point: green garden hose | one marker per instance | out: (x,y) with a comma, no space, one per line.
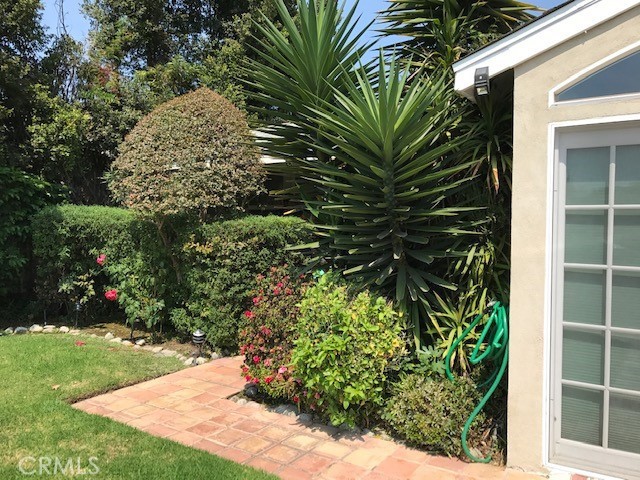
(495,336)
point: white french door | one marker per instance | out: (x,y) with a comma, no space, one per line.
(595,392)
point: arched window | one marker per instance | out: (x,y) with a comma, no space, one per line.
(619,78)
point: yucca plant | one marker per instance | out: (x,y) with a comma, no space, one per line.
(443,31)
(298,68)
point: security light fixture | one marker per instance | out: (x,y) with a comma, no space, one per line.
(482,82)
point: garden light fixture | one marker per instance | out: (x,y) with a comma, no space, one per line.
(482,82)
(78,309)
(198,339)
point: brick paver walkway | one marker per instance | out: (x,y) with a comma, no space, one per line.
(191,407)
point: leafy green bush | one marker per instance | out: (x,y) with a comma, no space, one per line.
(345,346)
(21,195)
(268,332)
(431,412)
(67,241)
(222,261)
(191,154)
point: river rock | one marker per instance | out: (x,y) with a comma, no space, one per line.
(20,331)
(64,329)
(109,336)
(36,328)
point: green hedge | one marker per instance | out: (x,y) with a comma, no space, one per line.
(218,264)
(66,241)
(223,260)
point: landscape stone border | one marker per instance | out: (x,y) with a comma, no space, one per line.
(110,337)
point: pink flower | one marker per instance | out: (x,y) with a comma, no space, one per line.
(267,362)
(280,285)
(276,291)
(317,395)
(101,259)
(265,331)
(111,295)
(249,314)
(282,369)
(256,359)
(256,300)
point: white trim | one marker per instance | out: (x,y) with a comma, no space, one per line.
(554,130)
(538,37)
(593,68)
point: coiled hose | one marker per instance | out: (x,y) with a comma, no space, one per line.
(495,335)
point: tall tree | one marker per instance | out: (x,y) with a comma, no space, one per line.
(22,38)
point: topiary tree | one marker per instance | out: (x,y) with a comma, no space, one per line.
(190,155)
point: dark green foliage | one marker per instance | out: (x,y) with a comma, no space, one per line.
(21,195)
(223,260)
(430,413)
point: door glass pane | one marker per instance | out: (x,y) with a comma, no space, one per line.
(582,415)
(625,361)
(583,356)
(588,176)
(625,304)
(628,175)
(584,297)
(586,237)
(624,423)
(626,238)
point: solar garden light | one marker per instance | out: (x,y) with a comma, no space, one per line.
(198,339)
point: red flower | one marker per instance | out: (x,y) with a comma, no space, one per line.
(256,359)
(111,295)
(248,378)
(245,369)
(276,291)
(268,380)
(249,314)
(101,259)
(296,399)
(280,285)
(80,344)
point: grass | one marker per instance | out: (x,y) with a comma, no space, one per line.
(41,374)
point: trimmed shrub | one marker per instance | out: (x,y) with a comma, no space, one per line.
(268,332)
(67,241)
(222,261)
(191,154)
(430,413)
(344,347)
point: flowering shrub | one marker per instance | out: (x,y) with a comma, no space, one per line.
(266,338)
(344,347)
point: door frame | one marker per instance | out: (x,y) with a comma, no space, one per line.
(555,132)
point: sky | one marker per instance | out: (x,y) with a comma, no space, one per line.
(78,25)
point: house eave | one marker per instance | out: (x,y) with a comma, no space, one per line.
(536,38)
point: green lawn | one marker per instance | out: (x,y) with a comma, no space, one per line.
(41,374)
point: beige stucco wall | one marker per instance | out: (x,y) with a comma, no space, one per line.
(533,81)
